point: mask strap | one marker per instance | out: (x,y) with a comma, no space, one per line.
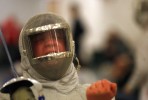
(76,62)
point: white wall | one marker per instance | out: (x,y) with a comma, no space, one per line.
(98,16)
(23,9)
(120,14)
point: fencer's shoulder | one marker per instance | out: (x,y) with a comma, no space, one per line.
(11,85)
(4,91)
(15,83)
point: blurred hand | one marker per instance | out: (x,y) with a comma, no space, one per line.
(101,90)
(127,90)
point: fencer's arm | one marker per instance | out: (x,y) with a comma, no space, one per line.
(101,90)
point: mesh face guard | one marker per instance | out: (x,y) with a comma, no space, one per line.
(50,47)
(46,43)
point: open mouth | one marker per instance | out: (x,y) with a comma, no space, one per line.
(51,51)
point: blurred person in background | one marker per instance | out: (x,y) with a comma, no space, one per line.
(78,29)
(86,75)
(119,71)
(113,46)
(47,52)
